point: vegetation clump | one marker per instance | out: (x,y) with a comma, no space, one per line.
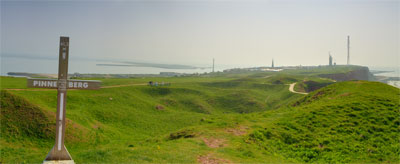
(182,134)
(311,85)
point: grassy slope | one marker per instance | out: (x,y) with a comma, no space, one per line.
(353,121)
(114,118)
(309,85)
(128,128)
(14,130)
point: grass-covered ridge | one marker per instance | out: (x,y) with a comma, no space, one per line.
(130,117)
(238,117)
(20,119)
(354,121)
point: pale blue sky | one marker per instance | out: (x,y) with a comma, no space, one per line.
(242,33)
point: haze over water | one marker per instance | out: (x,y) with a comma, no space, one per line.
(50,66)
(235,33)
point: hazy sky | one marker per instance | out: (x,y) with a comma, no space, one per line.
(242,33)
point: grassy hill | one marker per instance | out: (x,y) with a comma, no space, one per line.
(354,121)
(112,119)
(246,117)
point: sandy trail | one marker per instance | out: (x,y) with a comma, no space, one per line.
(211,159)
(125,85)
(291,89)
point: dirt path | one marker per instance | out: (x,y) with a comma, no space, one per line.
(214,142)
(217,143)
(238,131)
(125,85)
(291,89)
(211,159)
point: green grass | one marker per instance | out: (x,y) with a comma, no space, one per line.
(353,121)
(123,124)
(114,118)
(12,82)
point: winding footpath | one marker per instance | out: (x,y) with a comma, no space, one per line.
(291,89)
(125,85)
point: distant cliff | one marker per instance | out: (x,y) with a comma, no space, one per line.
(359,73)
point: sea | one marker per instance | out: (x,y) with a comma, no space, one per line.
(391,72)
(50,66)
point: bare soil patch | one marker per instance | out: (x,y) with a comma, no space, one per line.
(345,94)
(214,142)
(239,131)
(159,107)
(211,159)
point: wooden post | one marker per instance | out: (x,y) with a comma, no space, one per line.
(59,153)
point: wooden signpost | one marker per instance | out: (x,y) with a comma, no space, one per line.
(59,153)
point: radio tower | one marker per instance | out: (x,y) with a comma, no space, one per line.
(272,65)
(348,50)
(213,65)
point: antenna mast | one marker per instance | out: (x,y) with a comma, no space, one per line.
(348,50)
(272,65)
(213,65)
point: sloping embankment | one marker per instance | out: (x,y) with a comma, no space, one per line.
(345,122)
(361,73)
(19,118)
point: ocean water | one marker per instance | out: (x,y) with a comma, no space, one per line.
(50,66)
(394,71)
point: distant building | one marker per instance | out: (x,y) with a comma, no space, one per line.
(76,74)
(330,59)
(272,66)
